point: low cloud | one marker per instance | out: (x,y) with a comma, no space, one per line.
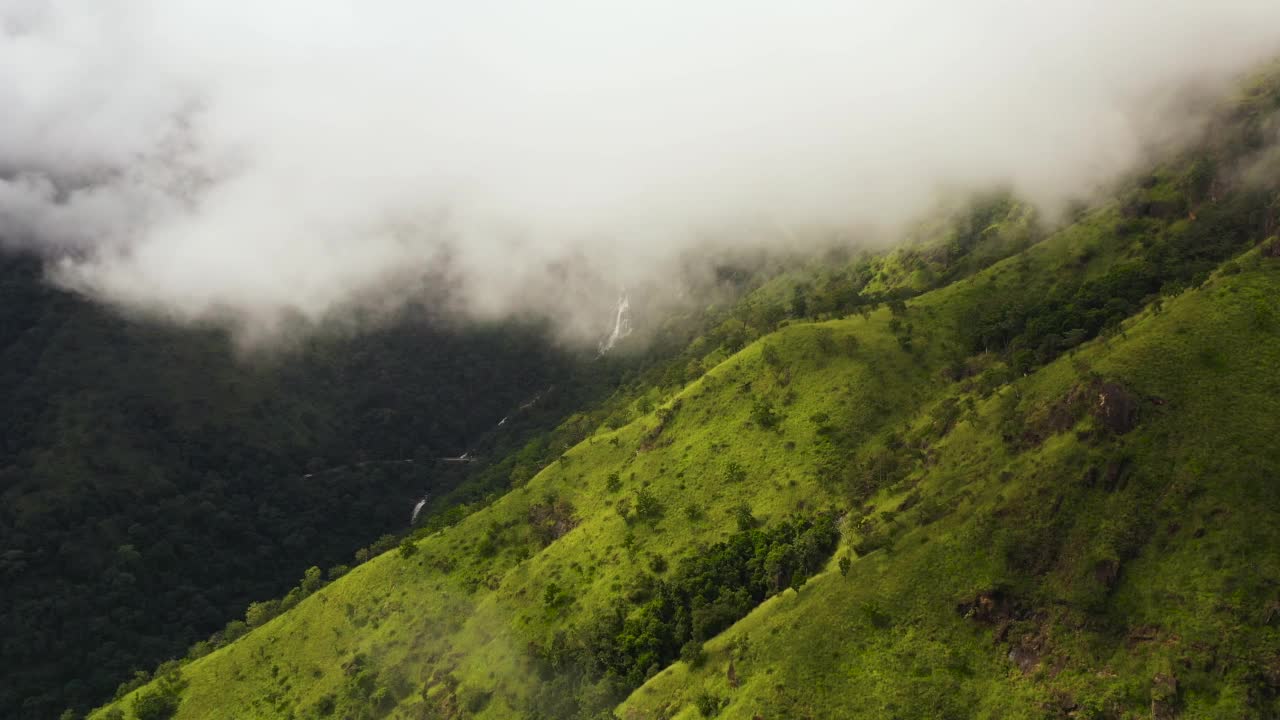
(262,162)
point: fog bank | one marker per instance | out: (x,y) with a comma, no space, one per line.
(254,162)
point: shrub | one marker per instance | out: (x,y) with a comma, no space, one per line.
(312,580)
(473,699)
(764,414)
(709,705)
(382,699)
(408,548)
(734,473)
(155,705)
(233,630)
(199,649)
(692,654)
(260,613)
(647,505)
(140,678)
(553,595)
(658,564)
(326,705)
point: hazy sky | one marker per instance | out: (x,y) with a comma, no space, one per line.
(203,158)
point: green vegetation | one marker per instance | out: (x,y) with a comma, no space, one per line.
(154,484)
(663,620)
(1001,471)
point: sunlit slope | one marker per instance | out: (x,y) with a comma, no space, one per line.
(1040,512)
(990,517)
(472,598)
(456,618)
(1051,560)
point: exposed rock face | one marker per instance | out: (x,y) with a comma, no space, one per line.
(1107,572)
(989,608)
(1164,697)
(1024,657)
(551,520)
(1114,407)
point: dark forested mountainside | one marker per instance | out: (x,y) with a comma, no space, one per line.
(152,483)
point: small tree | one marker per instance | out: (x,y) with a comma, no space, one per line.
(312,580)
(140,678)
(734,473)
(260,613)
(799,302)
(658,564)
(291,600)
(234,630)
(161,702)
(199,649)
(692,654)
(647,505)
(764,415)
(710,705)
(155,705)
(408,548)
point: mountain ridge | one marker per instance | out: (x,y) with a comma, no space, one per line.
(1052,476)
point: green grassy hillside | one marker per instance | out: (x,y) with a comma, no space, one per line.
(1041,486)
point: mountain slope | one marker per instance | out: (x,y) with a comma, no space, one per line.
(1068,550)
(152,483)
(1075,571)
(1043,489)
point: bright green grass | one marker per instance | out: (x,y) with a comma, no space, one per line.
(886,641)
(1192,519)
